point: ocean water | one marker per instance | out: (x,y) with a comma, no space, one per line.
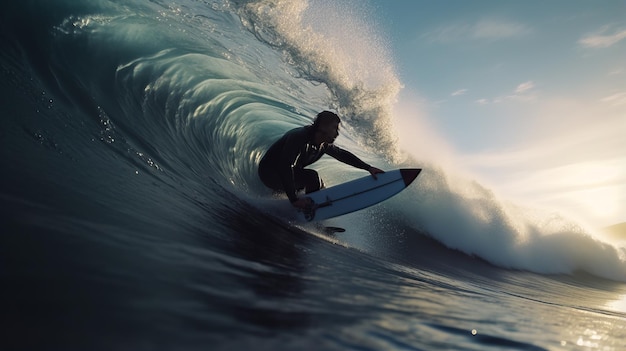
(132,217)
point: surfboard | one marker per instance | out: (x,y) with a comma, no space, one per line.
(357,194)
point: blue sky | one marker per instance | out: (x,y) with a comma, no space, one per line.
(529,97)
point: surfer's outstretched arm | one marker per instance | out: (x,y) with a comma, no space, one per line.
(347,157)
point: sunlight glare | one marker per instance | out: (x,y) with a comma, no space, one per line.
(618,305)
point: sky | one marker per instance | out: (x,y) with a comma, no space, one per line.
(529,97)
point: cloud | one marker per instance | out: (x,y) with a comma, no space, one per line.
(617,99)
(524,87)
(576,165)
(498,29)
(523,92)
(487,29)
(459,92)
(602,40)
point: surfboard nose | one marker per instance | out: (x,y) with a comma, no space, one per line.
(409,175)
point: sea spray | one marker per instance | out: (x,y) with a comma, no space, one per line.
(466,216)
(319,43)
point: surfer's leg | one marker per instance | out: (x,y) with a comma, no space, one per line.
(308,179)
(270,179)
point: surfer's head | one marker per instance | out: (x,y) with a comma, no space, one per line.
(326,126)
(325,117)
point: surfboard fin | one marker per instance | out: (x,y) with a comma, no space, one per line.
(333,230)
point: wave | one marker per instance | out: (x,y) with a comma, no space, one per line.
(320,41)
(468,217)
(193,93)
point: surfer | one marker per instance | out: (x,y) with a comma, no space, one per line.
(282,166)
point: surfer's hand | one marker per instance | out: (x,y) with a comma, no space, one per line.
(374,171)
(301,203)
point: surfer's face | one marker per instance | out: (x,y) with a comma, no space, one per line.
(328,132)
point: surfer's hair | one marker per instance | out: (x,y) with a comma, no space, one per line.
(325,117)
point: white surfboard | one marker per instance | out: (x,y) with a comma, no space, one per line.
(358,194)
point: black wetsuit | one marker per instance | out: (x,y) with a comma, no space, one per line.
(282,167)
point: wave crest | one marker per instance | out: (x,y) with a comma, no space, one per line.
(327,43)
